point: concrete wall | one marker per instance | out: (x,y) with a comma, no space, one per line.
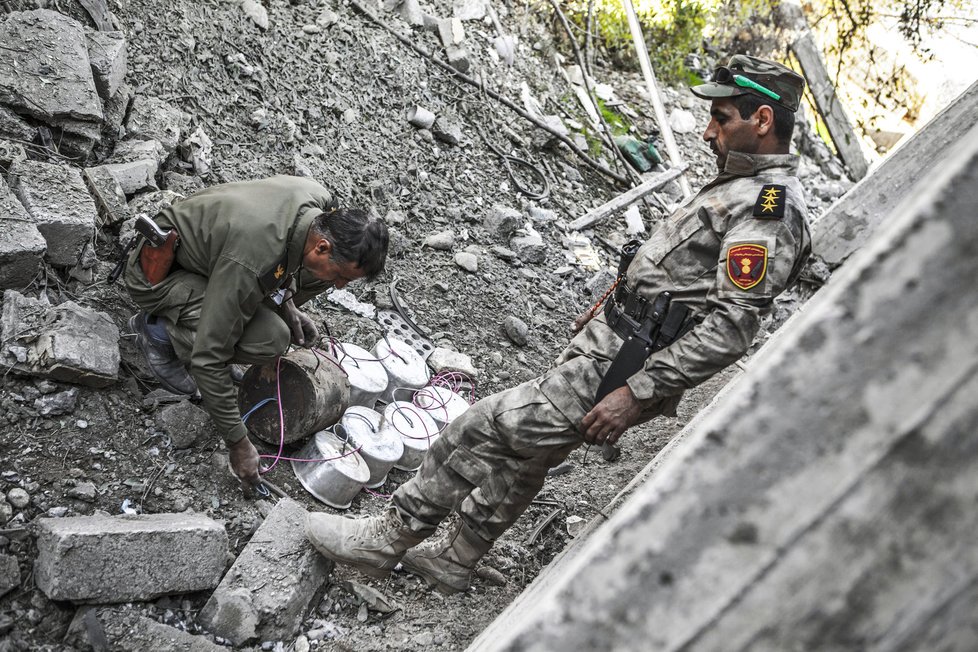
(828,500)
(851,221)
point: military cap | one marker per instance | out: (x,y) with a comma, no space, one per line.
(745,74)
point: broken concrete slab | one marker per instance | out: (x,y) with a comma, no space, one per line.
(10,153)
(134,164)
(56,198)
(22,246)
(126,629)
(183,184)
(9,574)
(530,247)
(48,74)
(151,118)
(67,342)
(270,587)
(442,359)
(185,423)
(107,56)
(108,559)
(115,109)
(15,127)
(108,194)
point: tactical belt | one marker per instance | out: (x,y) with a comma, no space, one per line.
(646,327)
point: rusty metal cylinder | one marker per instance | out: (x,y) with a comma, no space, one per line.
(314,390)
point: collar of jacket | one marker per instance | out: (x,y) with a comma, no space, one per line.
(297,237)
(740,164)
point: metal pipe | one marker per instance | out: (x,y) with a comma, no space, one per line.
(660,110)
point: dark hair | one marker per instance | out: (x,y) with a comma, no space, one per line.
(356,238)
(784,119)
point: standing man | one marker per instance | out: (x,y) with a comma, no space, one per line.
(247,255)
(689,305)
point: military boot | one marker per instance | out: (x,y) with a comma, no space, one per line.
(373,545)
(448,565)
(155,344)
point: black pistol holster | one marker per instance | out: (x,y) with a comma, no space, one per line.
(645,326)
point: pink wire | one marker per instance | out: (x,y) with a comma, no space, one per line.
(379,495)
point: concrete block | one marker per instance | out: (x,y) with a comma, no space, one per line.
(411,13)
(57,200)
(130,631)
(10,153)
(502,221)
(825,499)
(14,126)
(134,164)
(49,46)
(108,195)
(126,558)
(115,109)
(269,589)
(530,248)
(185,423)
(107,56)
(66,342)
(22,246)
(9,574)
(182,184)
(153,119)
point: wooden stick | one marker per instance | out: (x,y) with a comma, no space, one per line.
(623,200)
(496,96)
(660,109)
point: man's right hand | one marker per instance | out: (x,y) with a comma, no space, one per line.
(244,462)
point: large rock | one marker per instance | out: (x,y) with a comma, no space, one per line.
(267,592)
(9,573)
(21,245)
(109,196)
(150,118)
(57,200)
(14,126)
(502,221)
(65,342)
(134,164)
(46,71)
(107,56)
(108,559)
(185,423)
(529,247)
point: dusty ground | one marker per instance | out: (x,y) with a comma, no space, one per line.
(334,101)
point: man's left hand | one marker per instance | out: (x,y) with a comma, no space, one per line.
(304,331)
(616,412)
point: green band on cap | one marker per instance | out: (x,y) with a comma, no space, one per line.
(740,80)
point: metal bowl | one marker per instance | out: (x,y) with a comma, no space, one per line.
(367,376)
(416,429)
(404,366)
(380,448)
(442,404)
(335,473)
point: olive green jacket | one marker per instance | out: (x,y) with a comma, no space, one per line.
(246,238)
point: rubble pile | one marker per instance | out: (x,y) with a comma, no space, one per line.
(98,126)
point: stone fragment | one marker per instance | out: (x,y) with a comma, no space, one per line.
(151,203)
(541,215)
(633,221)
(256,12)
(516,330)
(458,58)
(467,261)
(131,631)
(447,130)
(107,559)
(600,281)
(151,118)
(53,405)
(268,590)
(47,72)
(108,194)
(10,153)
(451,32)
(6,511)
(442,241)
(442,359)
(469,9)
(530,248)
(18,498)
(9,574)
(182,184)
(57,200)
(682,121)
(22,246)
(502,221)
(83,491)
(107,56)
(411,13)
(134,164)
(14,126)
(185,423)
(503,252)
(197,149)
(67,342)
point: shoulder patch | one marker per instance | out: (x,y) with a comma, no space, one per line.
(276,276)
(770,202)
(746,265)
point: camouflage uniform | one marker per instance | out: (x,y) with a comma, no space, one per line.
(240,243)
(490,462)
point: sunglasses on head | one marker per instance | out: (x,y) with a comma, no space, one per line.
(723,75)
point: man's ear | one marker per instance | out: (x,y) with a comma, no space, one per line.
(765,120)
(324,246)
